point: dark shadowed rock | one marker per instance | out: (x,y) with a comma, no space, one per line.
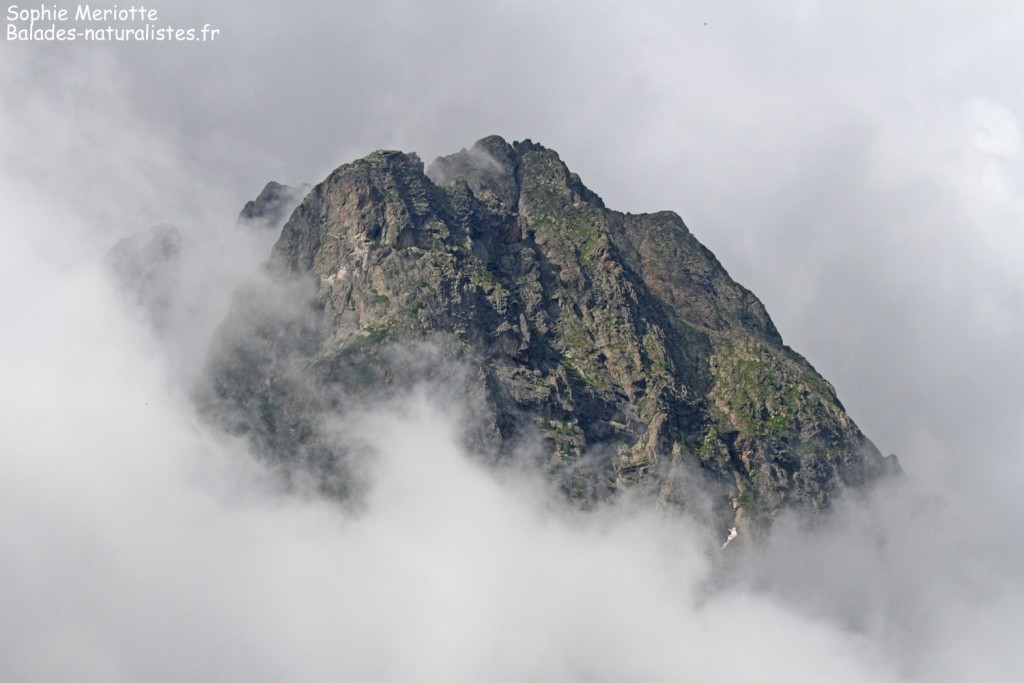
(272,206)
(617,340)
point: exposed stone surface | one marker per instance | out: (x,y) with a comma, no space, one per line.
(617,338)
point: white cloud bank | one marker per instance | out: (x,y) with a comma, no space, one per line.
(139,546)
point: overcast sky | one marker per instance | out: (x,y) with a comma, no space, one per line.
(859,166)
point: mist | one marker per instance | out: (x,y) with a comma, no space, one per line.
(141,545)
(858,169)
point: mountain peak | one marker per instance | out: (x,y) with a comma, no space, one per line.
(616,339)
(493,168)
(272,206)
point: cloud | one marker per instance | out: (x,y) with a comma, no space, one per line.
(138,545)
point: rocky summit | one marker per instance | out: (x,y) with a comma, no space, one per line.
(614,344)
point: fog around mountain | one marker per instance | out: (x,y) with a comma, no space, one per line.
(858,169)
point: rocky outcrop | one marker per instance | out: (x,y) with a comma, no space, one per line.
(616,339)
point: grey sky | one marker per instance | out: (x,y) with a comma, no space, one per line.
(859,166)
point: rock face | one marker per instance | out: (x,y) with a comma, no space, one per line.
(616,339)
